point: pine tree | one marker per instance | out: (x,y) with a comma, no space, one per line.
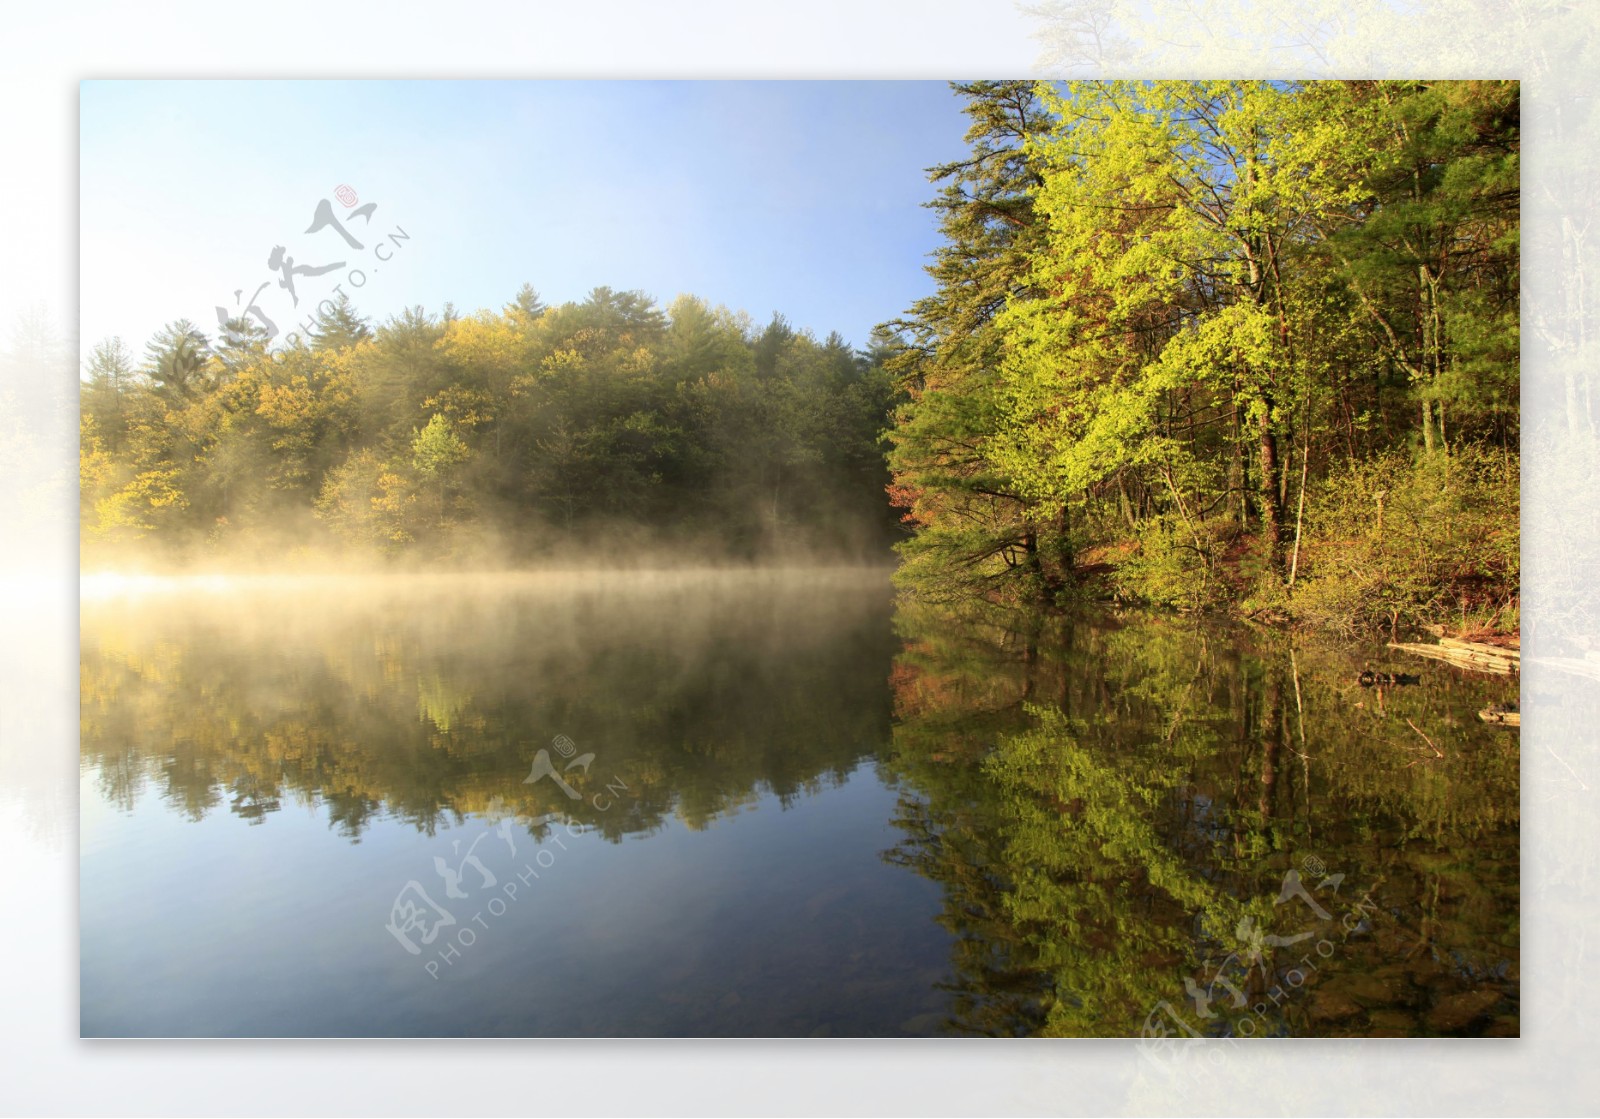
(337,326)
(177,361)
(972,525)
(109,380)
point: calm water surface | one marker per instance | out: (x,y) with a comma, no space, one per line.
(771,804)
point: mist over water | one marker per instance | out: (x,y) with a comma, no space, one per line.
(355,732)
(787,807)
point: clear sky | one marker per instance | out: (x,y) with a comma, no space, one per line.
(799,197)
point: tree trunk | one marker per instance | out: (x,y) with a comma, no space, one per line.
(1055,566)
(1271,506)
(1238,467)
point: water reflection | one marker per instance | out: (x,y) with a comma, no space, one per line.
(427,702)
(849,819)
(1138,817)
(269,768)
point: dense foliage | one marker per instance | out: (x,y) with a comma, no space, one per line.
(517,434)
(1196,344)
(1197,332)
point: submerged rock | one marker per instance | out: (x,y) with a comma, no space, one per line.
(1457,1012)
(1329,1005)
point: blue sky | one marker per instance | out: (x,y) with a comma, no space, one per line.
(799,197)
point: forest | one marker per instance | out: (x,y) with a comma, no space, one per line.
(609,431)
(1240,344)
(1230,345)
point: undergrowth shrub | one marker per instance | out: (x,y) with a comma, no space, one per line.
(1392,542)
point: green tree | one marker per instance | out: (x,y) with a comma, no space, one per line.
(178,363)
(974,530)
(109,380)
(436,454)
(1195,288)
(337,326)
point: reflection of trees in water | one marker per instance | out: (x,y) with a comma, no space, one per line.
(434,709)
(1111,806)
(1103,800)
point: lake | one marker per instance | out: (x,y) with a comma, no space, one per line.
(772,803)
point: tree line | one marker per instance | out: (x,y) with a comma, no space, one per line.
(1228,341)
(608,424)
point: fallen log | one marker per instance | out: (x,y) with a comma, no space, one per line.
(1487,639)
(1462,658)
(1501,716)
(1480,648)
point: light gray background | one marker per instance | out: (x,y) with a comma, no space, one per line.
(45,1069)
